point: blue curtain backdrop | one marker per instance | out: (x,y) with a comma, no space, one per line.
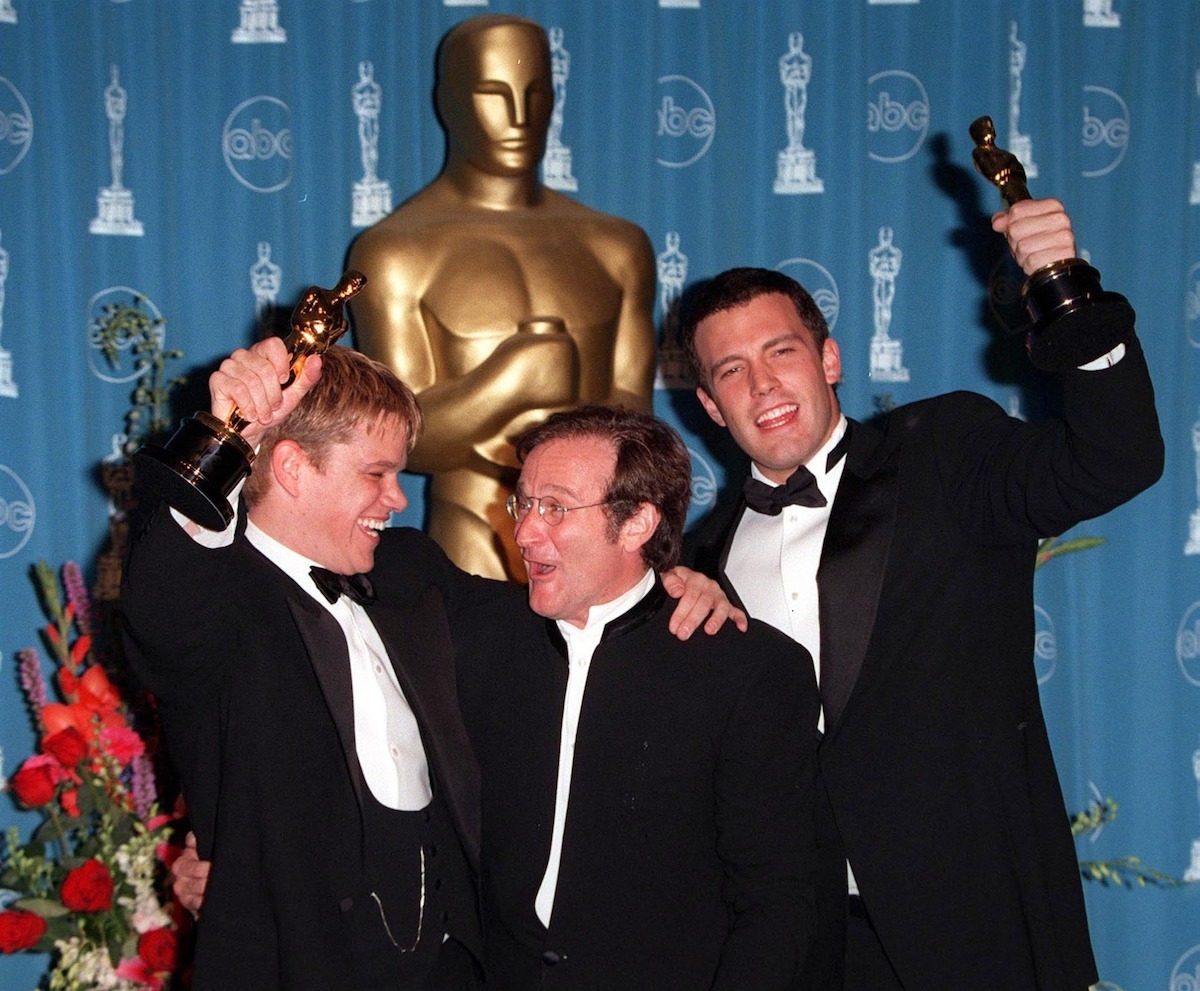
(205,156)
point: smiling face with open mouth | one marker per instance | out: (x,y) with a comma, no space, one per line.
(348,498)
(580,562)
(768,383)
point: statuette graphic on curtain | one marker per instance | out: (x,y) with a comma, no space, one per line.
(372,196)
(887,354)
(796,167)
(258,24)
(1021,144)
(672,275)
(556,165)
(8,388)
(265,280)
(114,204)
(1100,14)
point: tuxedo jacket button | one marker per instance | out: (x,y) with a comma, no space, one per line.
(550,958)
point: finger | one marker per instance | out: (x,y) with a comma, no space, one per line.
(673,584)
(249,381)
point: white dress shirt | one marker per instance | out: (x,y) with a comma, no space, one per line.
(386,735)
(581,645)
(773,560)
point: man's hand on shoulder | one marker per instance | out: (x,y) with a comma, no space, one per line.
(701,602)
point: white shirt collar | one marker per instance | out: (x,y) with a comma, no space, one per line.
(599,615)
(293,564)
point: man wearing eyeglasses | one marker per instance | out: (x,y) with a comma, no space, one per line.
(646,802)
(311,710)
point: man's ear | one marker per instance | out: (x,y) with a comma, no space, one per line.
(640,527)
(831,361)
(710,407)
(288,462)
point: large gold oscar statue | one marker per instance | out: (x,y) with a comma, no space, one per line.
(497,299)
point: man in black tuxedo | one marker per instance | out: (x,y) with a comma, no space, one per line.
(647,803)
(902,555)
(323,758)
(312,711)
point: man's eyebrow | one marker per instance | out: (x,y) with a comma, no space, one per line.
(552,489)
(791,335)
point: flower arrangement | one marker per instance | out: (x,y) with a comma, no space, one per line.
(89,885)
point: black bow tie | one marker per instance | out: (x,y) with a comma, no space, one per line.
(331,584)
(799,490)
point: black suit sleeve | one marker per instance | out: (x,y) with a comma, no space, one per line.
(173,591)
(1006,480)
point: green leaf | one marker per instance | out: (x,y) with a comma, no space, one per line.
(47,908)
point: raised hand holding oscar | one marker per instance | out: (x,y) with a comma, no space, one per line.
(202,463)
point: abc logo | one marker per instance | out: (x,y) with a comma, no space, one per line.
(1185,975)
(897,115)
(819,283)
(704,485)
(1105,131)
(16,126)
(686,122)
(1187,648)
(257,144)
(17,513)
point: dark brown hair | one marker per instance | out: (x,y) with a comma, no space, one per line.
(736,287)
(652,466)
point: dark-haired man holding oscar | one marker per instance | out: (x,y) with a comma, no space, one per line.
(901,553)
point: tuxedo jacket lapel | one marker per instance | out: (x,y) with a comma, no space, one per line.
(418,643)
(330,658)
(850,576)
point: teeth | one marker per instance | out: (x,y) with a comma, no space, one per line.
(778,413)
(371,524)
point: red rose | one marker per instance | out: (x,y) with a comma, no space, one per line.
(88,888)
(70,801)
(20,930)
(67,746)
(36,781)
(158,949)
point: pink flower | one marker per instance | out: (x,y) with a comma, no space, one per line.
(122,743)
(136,970)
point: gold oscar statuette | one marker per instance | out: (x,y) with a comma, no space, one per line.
(202,463)
(1055,290)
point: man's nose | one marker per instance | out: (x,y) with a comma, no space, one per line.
(394,496)
(527,530)
(762,380)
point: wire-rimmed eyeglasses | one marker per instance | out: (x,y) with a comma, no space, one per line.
(548,508)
